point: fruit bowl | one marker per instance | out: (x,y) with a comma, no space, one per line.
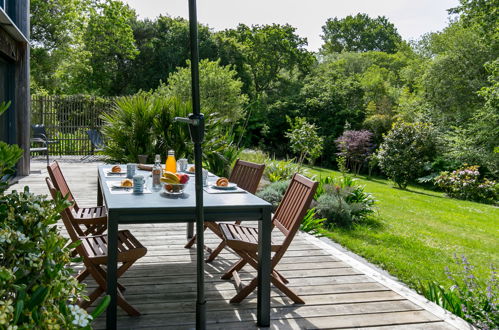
(174,188)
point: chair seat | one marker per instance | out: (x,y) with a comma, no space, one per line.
(129,248)
(243,237)
(91,212)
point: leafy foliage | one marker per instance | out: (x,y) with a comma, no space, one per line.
(405,151)
(311,223)
(278,170)
(304,139)
(465,183)
(220,89)
(344,202)
(36,282)
(274,192)
(474,301)
(360,33)
(356,147)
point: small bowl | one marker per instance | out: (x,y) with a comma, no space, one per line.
(174,188)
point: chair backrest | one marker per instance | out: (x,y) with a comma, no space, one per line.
(247,175)
(39,131)
(73,230)
(60,183)
(293,208)
(95,137)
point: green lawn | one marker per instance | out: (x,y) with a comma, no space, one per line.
(416,232)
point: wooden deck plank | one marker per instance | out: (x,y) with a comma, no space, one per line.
(162,284)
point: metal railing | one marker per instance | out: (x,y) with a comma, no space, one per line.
(67,119)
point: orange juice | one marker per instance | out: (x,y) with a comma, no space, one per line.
(171,163)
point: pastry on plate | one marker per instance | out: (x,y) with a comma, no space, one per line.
(127,183)
(192,169)
(222,182)
(116,169)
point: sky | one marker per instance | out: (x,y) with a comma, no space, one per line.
(412,18)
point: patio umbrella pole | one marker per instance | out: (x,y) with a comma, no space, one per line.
(196,129)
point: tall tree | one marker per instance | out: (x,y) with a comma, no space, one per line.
(110,43)
(55,26)
(360,33)
(269,52)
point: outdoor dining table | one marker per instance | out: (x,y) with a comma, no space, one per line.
(159,207)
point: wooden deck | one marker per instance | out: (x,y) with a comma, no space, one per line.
(339,294)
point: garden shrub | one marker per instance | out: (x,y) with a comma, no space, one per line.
(466,183)
(274,192)
(36,283)
(254,155)
(468,298)
(344,202)
(407,148)
(143,124)
(356,147)
(312,223)
(279,170)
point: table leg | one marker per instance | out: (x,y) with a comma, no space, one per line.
(190,230)
(112,265)
(264,247)
(100,200)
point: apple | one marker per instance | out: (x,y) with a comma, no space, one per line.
(184,178)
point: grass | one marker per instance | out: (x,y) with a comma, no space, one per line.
(416,232)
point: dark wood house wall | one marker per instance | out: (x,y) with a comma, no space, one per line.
(14,76)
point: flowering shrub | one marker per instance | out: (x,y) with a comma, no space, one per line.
(356,147)
(37,289)
(468,298)
(465,183)
(278,170)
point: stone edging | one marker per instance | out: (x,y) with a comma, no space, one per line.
(396,286)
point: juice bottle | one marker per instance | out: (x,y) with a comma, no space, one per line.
(171,163)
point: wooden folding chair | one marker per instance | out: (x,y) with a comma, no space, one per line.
(93,219)
(244,240)
(93,250)
(247,176)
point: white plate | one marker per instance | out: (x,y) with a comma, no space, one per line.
(117,185)
(231,186)
(116,173)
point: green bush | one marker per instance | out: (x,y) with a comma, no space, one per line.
(344,202)
(465,183)
(311,223)
(254,155)
(405,152)
(468,298)
(279,170)
(37,288)
(274,192)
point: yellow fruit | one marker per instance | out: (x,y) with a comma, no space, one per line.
(169,177)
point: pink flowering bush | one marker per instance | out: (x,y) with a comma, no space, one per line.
(466,183)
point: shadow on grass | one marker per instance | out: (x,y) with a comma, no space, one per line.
(371,223)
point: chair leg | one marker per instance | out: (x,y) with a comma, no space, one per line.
(216,252)
(126,306)
(244,292)
(191,242)
(287,291)
(236,267)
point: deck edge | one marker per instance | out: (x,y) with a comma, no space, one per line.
(396,286)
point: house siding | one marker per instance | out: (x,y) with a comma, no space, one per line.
(14,77)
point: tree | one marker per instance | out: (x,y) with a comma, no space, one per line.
(360,33)
(220,90)
(270,53)
(109,41)
(55,27)
(304,139)
(163,46)
(356,147)
(406,150)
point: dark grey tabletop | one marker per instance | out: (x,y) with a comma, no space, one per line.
(226,206)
